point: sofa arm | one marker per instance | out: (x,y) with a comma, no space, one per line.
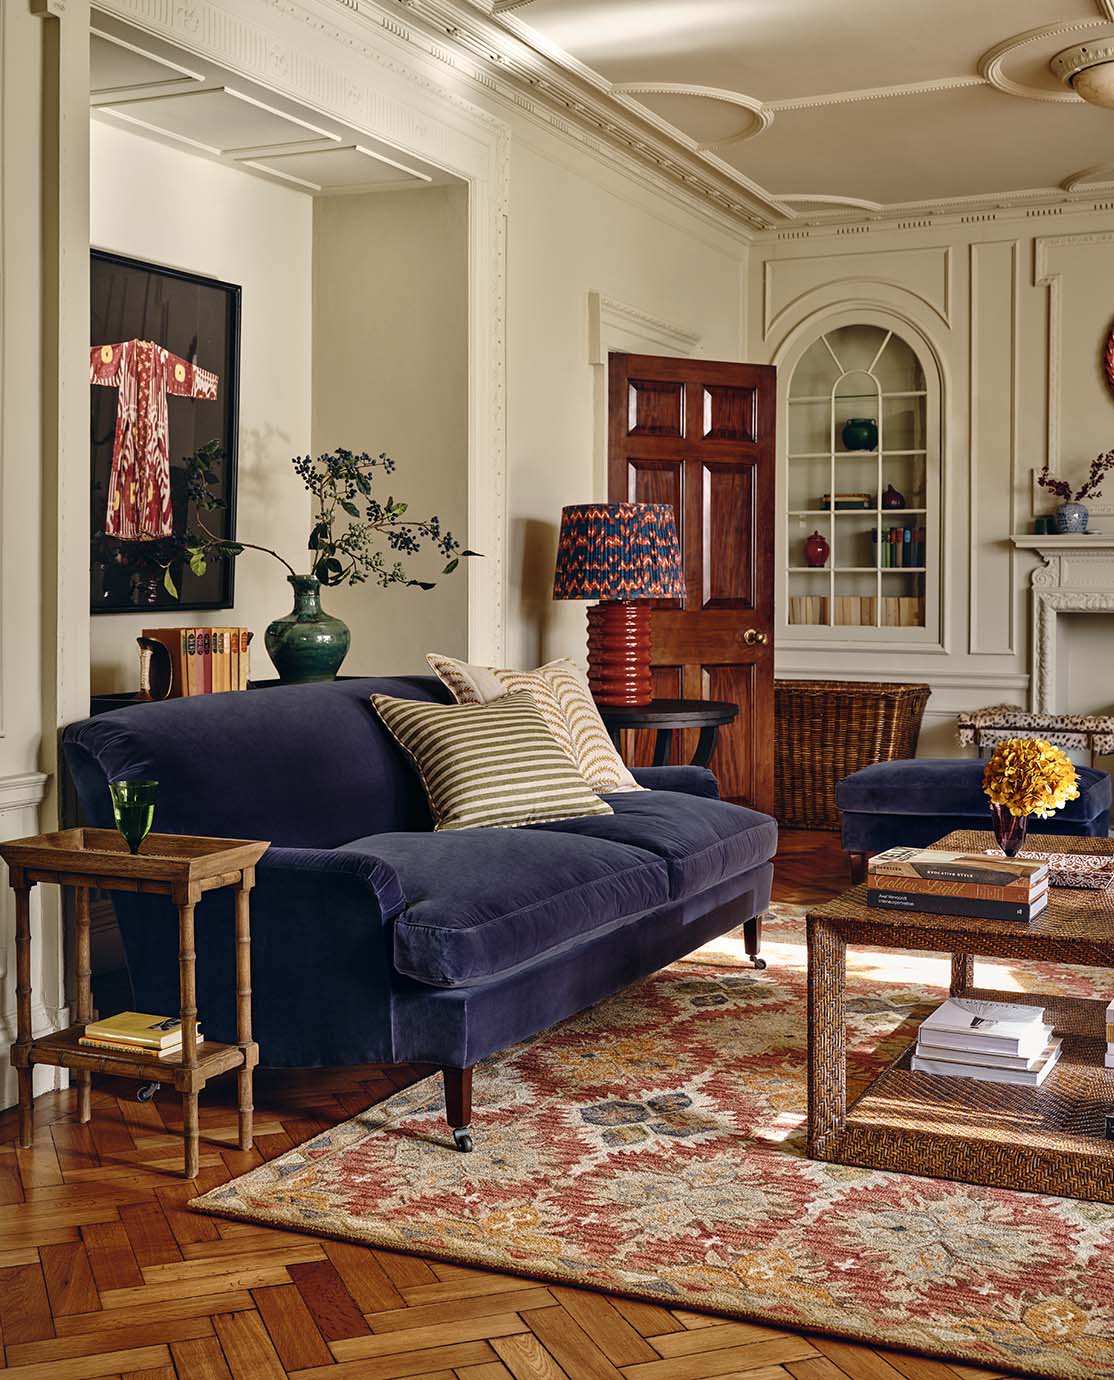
(687,780)
(376,874)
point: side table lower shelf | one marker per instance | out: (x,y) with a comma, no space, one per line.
(63,1049)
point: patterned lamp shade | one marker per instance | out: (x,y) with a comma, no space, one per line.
(618,551)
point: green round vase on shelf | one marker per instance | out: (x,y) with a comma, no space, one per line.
(860,433)
(308,644)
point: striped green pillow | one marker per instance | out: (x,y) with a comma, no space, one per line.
(491,766)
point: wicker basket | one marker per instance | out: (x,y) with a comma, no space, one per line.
(826,729)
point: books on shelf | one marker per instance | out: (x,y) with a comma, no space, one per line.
(994,1042)
(136,1032)
(899,547)
(857,611)
(193,661)
(941,882)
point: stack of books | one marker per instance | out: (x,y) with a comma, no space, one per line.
(947,883)
(136,1033)
(993,1041)
(193,661)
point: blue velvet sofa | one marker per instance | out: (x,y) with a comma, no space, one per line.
(376,939)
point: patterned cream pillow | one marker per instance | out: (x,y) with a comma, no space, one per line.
(560,690)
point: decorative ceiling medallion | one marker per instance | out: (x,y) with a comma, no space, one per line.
(1032,51)
(1088,69)
(761,117)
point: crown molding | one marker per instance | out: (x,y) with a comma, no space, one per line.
(515,64)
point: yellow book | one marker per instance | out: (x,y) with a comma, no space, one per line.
(132,1051)
(137,1028)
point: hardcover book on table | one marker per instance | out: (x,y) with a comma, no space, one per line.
(948,904)
(945,865)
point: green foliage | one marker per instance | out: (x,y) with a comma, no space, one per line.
(355,537)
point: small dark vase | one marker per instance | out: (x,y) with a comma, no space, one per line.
(893,498)
(1009,830)
(308,644)
(817,550)
(860,433)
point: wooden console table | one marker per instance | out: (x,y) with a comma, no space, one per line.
(182,867)
(1050,1139)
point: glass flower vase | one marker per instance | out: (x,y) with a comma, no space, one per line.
(1009,830)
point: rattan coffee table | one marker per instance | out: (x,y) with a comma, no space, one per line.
(1044,1140)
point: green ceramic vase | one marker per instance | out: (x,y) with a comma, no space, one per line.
(308,644)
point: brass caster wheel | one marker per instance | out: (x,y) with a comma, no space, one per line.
(462,1138)
(759,963)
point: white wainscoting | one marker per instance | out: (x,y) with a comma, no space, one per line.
(20,797)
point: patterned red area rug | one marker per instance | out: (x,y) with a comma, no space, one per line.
(655,1147)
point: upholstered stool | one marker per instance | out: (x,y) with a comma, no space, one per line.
(918,800)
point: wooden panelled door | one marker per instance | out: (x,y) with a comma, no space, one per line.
(700,435)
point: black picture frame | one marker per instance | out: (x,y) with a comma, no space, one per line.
(196,318)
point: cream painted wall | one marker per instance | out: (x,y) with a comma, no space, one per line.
(165,205)
(1017,313)
(390,373)
(574,227)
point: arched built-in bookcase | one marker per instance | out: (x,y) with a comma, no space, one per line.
(881,578)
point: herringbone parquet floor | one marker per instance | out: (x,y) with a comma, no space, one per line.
(104,1272)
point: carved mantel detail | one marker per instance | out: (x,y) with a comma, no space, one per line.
(1077,576)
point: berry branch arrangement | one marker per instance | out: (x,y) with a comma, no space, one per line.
(354,536)
(1100,467)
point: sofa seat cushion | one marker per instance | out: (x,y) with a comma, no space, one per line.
(484,901)
(701,841)
(950,786)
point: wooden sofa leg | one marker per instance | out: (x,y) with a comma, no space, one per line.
(458,1105)
(752,938)
(856,863)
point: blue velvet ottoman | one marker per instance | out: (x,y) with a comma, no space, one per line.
(919,800)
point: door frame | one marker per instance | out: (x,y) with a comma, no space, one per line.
(616,328)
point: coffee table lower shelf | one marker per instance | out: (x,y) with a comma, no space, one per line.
(1050,1139)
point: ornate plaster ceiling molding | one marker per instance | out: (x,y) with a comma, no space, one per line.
(1089,179)
(995,63)
(761,115)
(855,203)
(875,93)
(523,67)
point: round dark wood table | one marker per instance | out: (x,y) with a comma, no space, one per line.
(665,717)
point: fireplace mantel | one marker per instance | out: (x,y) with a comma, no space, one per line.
(1077,576)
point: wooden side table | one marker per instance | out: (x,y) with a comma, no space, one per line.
(182,867)
(664,716)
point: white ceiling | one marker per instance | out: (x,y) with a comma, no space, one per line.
(186,101)
(833,106)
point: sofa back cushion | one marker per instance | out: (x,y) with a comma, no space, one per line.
(299,765)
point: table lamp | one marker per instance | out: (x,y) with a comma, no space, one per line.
(623,554)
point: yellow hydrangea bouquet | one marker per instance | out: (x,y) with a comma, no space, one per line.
(1023,777)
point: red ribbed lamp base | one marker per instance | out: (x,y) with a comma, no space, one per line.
(619,652)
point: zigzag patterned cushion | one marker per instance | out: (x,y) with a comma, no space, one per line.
(560,690)
(488,766)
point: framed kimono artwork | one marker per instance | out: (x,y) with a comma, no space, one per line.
(164,355)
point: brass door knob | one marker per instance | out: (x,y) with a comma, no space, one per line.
(752,637)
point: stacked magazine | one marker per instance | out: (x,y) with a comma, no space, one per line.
(957,883)
(993,1041)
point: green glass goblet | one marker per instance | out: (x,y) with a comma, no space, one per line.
(133,805)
